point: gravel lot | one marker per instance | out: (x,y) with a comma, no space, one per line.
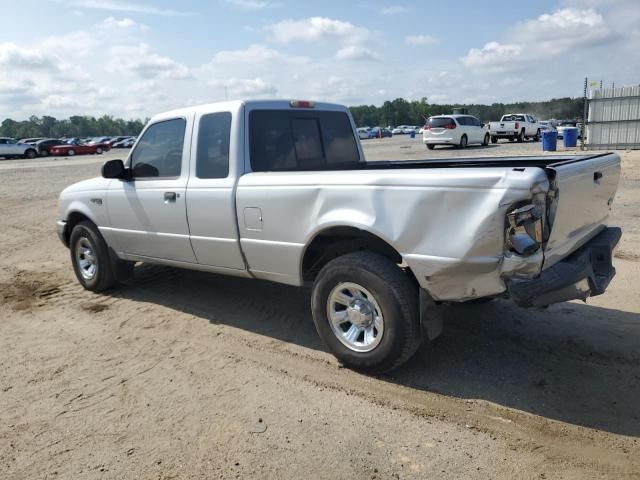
(191,375)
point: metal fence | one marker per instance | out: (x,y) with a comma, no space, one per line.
(614,118)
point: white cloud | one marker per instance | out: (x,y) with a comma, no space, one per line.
(546,36)
(393,10)
(357,53)
(421,40)
(315,29)
(124,6)
(112,23)
(252,4)
(493,53)
(141,61)
(246,87)
(257,54)
(13,56)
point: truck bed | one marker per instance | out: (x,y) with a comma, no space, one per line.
(515,162)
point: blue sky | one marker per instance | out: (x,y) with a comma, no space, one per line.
(134,58)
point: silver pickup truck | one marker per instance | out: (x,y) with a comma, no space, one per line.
(281,191)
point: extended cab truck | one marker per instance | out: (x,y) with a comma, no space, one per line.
(281,191)
(515,126)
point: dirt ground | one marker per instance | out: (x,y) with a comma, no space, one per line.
(191,375)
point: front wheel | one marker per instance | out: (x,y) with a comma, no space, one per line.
(365,309)
(71,152)
(90,258)
(31,153)
(463,141)
(494,139)
(430,146)
(485,142)
(99,151)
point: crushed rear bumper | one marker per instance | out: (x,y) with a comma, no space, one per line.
(585,273)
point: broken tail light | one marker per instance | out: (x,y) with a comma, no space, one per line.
(525,228)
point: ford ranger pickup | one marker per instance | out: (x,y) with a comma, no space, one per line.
(281,191)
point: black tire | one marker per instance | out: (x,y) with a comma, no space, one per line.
(463,141)
(71,152)
(512,139)
(98,151)
(485,142)
(521,136)
(31,153)
(494,139)
(104,275)
(397,298)
(430,146)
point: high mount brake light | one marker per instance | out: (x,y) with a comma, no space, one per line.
(301,104)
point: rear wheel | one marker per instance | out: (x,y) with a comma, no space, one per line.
(485,142)
(463,141)
(71,152)
(365,309)
(536,138)
(430,146)
(521,136)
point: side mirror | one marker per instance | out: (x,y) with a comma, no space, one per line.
(114,169)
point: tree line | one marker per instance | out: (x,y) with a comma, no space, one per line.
(74,126)
(395,112)
(404,112)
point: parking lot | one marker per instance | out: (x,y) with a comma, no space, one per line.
(183,374)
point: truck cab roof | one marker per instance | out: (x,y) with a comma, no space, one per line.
(235,105)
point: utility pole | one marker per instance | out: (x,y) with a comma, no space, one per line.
(585,113)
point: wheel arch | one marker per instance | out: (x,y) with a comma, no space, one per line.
(333,241)
(75,214)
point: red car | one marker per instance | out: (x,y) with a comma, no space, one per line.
(70,150)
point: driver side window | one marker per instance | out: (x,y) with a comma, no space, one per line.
(159,151)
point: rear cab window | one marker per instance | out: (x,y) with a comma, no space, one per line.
(290,140)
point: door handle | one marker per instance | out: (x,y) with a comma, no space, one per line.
(170,197)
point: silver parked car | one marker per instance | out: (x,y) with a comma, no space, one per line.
(11,148)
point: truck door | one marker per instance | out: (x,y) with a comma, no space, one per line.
(147,214)
(211,189)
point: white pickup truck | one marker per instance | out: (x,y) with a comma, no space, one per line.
(515,126)
(281,191)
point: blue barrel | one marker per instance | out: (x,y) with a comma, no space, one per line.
(570,137)
(549,141)
(413,134)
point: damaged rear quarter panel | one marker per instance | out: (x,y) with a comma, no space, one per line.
(448,224)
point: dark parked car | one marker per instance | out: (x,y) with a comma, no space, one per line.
(126,143)
(43,146)
(377,132)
